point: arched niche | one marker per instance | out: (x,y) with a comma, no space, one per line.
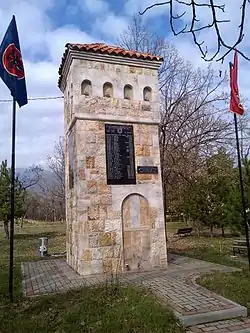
(108,90)
(147,94)
(128,92)
(86,88)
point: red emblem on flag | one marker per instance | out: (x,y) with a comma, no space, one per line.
(12,61)
(235,105)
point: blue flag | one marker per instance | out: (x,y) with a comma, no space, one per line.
(11,64)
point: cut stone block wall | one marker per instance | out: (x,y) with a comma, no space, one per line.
(111,227)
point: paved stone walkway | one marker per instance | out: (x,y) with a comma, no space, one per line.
(192,304)
(241,325)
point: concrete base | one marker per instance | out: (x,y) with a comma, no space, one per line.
(209,317)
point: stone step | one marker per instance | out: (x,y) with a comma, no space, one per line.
(238,325)
(237,311)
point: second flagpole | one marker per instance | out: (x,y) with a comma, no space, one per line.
(12,202)
(242,188)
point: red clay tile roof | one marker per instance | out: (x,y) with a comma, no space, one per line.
(101,48)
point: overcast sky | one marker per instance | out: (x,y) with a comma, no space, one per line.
(45,26)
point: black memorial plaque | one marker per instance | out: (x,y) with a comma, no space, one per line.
(147,169)
(120,155)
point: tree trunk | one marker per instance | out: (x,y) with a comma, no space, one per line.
(22,220)
(211,230)
(6,229)
(197,227)
(222,231)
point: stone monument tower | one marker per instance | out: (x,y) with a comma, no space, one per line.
(114,201)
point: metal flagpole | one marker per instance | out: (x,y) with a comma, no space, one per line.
(12,202)
(242,189)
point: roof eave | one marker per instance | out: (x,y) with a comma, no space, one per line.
(70,54)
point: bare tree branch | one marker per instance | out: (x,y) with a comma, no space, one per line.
(31,176)
(194,30)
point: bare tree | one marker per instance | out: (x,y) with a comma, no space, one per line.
(56,165)
(180,9)
(29,179)
(138,38)
(193,123)
(45,188)
(53,184)
(40,206)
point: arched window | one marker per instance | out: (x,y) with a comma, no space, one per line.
(107,90)
(128,92)
(86,88)
(147,94)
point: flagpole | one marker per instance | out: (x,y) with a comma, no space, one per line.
(12,202)
(242,188)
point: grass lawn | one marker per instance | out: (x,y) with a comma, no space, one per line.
(98,310)
(217,249)
(234,286)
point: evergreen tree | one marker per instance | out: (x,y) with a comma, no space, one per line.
(208,197)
